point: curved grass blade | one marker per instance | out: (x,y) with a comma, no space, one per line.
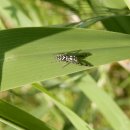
(105,104)
(78,123)
(19,119)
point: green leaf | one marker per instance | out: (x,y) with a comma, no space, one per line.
(29,54)
(105,104)
(78,123)
(19,119)
(117,24)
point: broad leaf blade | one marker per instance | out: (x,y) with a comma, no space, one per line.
(26,61)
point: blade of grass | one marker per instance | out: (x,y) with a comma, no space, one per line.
(24,60)
(117,24)
(78,123)
(105,104)
(20,119)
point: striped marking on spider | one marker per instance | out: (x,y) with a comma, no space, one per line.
(74,57)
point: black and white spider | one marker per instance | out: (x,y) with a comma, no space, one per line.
(75,57)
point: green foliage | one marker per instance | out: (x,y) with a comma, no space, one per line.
(71,98)
(109,109)
(19,119)
(76,121)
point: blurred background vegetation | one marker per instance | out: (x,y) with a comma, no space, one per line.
(113,78)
